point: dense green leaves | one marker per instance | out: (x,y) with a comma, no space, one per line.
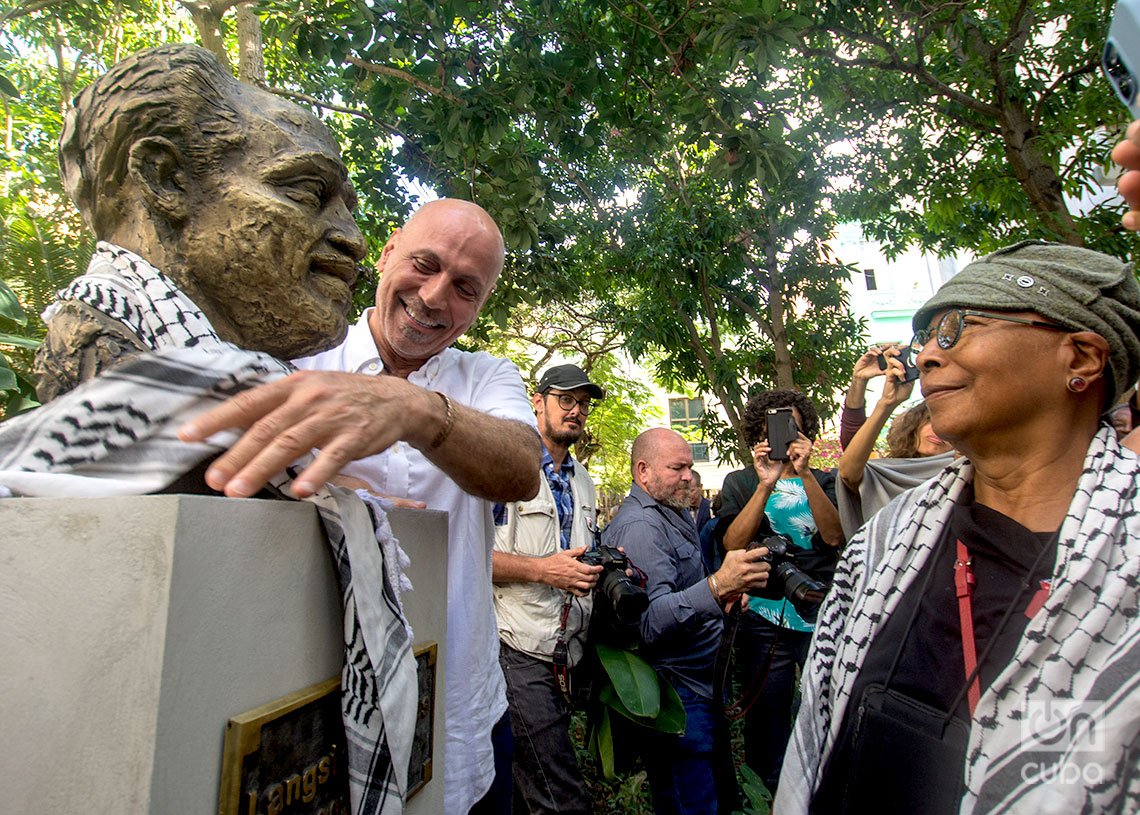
(670,171)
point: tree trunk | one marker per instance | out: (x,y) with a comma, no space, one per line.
(785,375)
(251,56)
(1036,175)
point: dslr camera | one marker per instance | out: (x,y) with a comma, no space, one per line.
(787,580)
(614,590)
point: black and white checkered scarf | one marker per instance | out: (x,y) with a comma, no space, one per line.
(1058,731)
(116,435)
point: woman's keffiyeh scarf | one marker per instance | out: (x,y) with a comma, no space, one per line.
(1058,731)
(116,435)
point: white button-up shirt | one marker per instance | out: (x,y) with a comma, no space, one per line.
(475,690)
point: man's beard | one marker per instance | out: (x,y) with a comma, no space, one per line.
(669,497)
(559,436)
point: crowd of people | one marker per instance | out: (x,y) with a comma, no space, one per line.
(961,617)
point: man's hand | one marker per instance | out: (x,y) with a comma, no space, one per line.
(768,470)
(350,483)
(1127,155)
(563,570)
(348,416)
(742,571)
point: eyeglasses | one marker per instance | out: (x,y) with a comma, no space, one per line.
(949,328)
(567,402)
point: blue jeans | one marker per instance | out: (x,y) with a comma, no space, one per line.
(546,774)
(768,723)
(691,774)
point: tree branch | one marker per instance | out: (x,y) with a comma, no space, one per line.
(403,76)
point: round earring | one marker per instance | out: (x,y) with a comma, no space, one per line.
(1077,384)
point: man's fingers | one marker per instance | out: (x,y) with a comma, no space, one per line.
(241,411)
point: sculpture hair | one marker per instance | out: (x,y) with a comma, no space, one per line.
(179,92)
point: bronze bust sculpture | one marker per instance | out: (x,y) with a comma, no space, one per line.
(237,196)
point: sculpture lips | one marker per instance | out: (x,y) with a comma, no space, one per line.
(340,267)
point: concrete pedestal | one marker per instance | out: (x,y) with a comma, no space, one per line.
(132,629)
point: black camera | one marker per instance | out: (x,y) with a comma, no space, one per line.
(910,370)
(787,580)
(625,598)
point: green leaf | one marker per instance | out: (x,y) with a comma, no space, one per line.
(7,376)
(10,305)
(634,680)
(15,339)
(671,719)
(7,88)
(606,745)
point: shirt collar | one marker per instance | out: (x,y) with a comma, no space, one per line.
(362,356)
(548,462)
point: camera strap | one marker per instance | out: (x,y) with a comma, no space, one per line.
(738,707)
(964,582)
(561,655)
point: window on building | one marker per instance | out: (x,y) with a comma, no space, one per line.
(685,413)
(869,276)
(700,451)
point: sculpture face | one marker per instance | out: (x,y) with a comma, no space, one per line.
(269,249)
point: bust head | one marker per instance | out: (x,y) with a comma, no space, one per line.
(237,195)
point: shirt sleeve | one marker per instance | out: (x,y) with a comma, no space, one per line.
(850,420)
(501,392)
(673,609)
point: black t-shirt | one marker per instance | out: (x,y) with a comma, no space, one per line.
(931,668)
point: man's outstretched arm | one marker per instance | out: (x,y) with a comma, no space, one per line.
(351,416)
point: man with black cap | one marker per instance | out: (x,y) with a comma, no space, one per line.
(542,596)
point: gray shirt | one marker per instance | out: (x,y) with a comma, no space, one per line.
(681,629)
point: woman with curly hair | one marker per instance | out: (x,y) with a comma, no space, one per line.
(791,499)
(915,451)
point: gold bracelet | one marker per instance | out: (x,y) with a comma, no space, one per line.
(714,587)
(448,422)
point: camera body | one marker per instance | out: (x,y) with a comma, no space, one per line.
(787,581)
(1121,57)
(910,370)
(781,430)
(622,596)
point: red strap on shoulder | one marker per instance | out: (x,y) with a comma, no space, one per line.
(964,587)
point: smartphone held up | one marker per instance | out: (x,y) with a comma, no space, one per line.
(782,431)
(906,357)
(1121,57)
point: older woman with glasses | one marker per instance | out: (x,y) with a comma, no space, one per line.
(980,647)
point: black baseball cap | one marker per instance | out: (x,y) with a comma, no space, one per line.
(568,378)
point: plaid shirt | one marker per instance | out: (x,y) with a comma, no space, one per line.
(559,481)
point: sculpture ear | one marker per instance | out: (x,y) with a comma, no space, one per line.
(158,167)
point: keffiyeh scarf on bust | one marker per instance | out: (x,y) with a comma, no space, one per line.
(1059,729)
(116,435)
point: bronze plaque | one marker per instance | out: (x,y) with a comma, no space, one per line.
(419,768)
(287,757)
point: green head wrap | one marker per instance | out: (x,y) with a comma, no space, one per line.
(1077,288)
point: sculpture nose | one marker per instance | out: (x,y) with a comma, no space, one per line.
(345,235)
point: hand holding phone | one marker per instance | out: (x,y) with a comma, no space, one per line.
(910,370)
(782,431)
